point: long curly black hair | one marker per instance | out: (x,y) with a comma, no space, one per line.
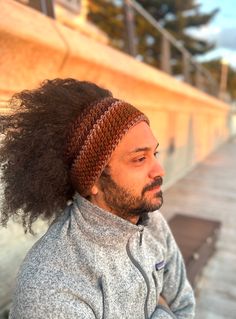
(35,177)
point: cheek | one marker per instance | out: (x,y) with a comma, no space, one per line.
(131,180)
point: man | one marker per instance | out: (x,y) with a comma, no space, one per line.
(110,253)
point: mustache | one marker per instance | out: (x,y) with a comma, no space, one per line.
(158,182)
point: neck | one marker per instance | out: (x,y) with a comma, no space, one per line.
(103,205)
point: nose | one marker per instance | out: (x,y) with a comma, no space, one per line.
(156,170)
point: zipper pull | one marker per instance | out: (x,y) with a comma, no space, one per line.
(140,229)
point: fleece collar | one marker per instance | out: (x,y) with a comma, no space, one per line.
(102,226)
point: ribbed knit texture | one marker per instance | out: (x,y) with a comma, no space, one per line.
(91,264)
(94,136)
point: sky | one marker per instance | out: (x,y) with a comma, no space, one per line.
(222,30)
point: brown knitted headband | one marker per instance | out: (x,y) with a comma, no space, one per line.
(94,136)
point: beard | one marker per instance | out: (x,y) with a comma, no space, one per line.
(121,200)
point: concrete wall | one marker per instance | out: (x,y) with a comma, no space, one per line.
(188,123)
(233,121)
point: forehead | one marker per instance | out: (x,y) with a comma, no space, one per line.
(138,136)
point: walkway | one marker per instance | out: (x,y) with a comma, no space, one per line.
(210,191)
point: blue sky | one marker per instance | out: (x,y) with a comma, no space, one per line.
(222,29)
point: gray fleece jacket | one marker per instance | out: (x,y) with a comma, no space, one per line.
(92,264)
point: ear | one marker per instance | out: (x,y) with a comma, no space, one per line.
(94,190)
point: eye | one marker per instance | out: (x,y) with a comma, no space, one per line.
(156,154)
(140,159)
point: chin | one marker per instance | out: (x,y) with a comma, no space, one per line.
(156,198)
(156,202)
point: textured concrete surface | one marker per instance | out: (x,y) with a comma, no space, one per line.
(209,191)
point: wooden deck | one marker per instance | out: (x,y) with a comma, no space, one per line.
(209,191)
(197,239)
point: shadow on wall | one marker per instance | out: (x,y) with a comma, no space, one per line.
(5,314)
(190,144)
(179,159)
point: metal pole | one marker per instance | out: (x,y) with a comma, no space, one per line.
(223,77)
(198,78)
(130,29)
(84,8)
(186,67)
(44,6)
(165,55)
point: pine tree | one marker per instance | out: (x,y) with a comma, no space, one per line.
(178,15)
(174,15)
(108,16)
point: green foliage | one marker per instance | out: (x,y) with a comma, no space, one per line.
(109,17)
(174,15)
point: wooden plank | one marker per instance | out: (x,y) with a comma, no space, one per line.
(196,238)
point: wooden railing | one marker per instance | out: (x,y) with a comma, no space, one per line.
(192,72)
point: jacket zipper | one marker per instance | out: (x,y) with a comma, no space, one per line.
(136,264)
(141,229)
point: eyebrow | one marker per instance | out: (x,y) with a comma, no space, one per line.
(143,149)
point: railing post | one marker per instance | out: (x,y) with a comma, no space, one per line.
(165,55)
(223,79)
(84,9)
(198,78)
(186,67)
(130,28)
(45,6)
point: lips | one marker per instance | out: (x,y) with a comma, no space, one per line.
(155,186)
(155,189)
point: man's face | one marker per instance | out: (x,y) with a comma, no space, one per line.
(130,185)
